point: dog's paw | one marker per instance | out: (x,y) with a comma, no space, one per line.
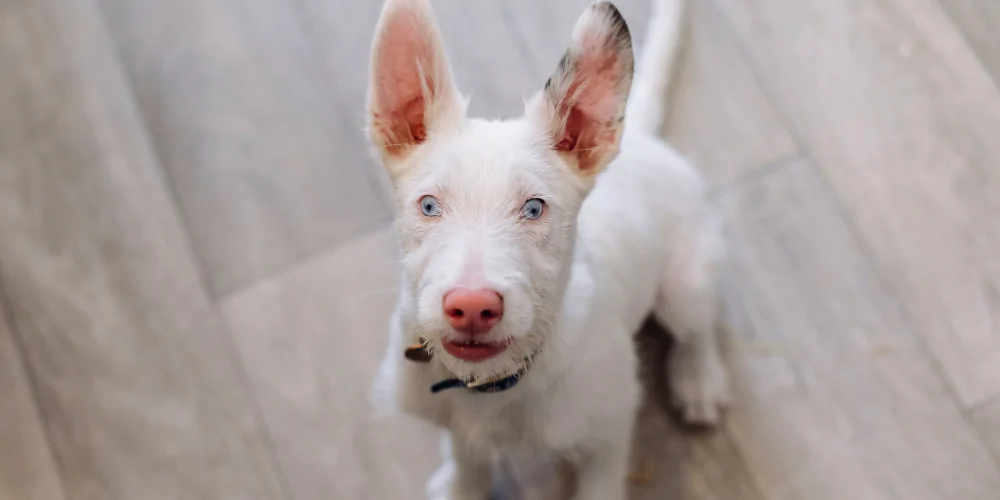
(699,389)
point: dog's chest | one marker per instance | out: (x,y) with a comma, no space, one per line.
(505,425)
(494,424)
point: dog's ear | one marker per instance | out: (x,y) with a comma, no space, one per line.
(411,92)
(583,104)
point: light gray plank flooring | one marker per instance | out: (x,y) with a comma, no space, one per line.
(835,397)
(196,251)
(978,21)
(987,422)
(488,67)
(903,119)
(719,116)
(27,468)
(249,130)
(135,375)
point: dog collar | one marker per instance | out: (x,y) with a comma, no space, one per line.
(420,354)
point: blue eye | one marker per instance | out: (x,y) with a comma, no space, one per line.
(533,209)
(430,206)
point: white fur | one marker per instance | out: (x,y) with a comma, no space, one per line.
(577,283)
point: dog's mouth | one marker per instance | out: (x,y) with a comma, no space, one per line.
(473,351)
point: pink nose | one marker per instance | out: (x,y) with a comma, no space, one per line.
(472,311)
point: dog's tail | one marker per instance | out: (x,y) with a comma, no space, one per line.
(655,69)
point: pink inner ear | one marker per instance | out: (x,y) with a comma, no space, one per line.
(404,52)
(596,85)
(599,72)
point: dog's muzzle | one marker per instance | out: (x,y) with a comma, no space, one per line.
(420,354)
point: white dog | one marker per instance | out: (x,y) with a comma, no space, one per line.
(533,250)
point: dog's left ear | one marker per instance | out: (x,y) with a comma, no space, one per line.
(583,104)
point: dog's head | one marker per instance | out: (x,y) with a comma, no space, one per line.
(487,210)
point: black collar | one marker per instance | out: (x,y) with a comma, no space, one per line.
(420,354)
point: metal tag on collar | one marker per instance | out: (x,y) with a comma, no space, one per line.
(418,353)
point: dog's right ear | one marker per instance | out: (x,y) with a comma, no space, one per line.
(411,92)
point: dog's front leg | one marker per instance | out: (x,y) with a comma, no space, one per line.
(463,475)
(604,470)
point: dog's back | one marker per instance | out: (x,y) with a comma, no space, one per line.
(631,218)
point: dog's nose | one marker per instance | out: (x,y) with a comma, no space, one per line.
(472,311)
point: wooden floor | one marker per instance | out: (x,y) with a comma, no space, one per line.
(196,261)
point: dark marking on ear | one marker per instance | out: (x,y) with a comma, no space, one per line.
(619,28)
(620,37)
(590,86)
(555,86)
(566,63)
